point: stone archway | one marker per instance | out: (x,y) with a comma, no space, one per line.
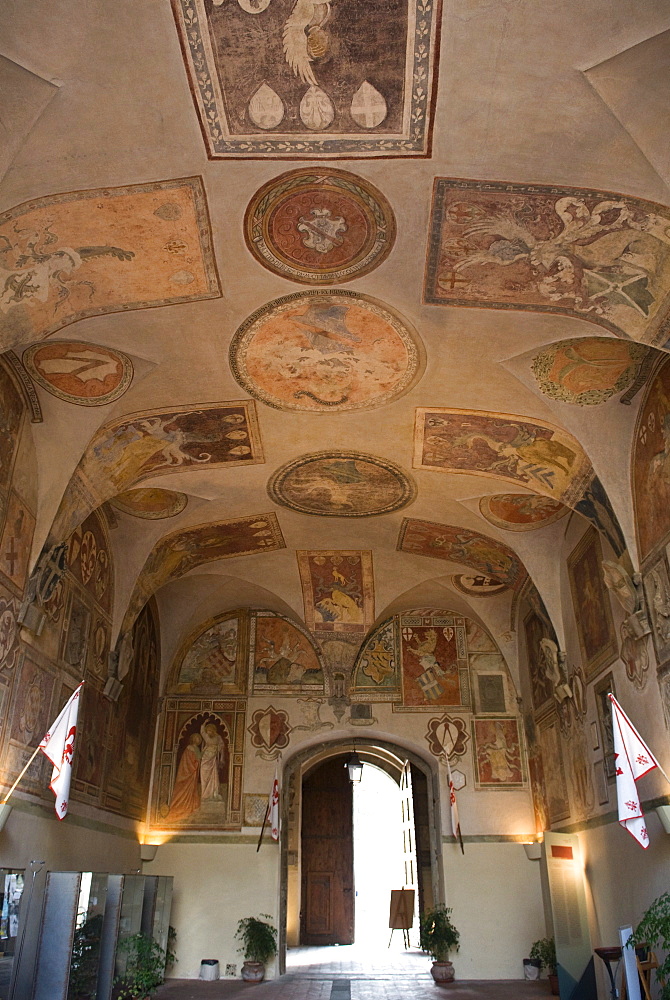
(389,757)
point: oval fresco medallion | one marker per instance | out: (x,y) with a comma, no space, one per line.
(478,585)
(588,371)
(319,227)
(341,484)
(152,504)
(86,374)
(325,352)
(521,511)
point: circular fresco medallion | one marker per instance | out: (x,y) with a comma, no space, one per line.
(152,504)
(478,586)
(319,227)
(86,374)
(521,511)
(588,371)
(325,352)
(341,484)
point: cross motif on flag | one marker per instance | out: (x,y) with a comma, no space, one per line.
(634,759)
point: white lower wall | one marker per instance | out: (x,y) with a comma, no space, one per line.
(216,884)
(496,895)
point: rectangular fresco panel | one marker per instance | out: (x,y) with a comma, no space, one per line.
(338,590)
(199,778)
(535,630)
(460,545)
(16,541)
(295,78)
(657,589)
(591,254)
(556,787)
(282,657)
(154,443)
(433,657)
(181,551)
(85,253)
(651,464)
(601,690)
(591,603)
(498,754)
(502,446)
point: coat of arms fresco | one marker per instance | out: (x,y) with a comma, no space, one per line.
(338,78)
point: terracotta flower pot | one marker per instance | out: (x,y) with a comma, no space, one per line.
(253,972)
(442,973)
(553,984)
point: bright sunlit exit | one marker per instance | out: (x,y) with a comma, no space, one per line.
(378,855)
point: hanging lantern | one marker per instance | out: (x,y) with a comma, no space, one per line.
(354,766)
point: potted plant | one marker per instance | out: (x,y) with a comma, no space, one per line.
(145,968)
(259,943)
(653,932)
(544,952)
(438,936)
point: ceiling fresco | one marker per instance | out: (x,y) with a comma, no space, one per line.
(126,451)
(151,504)
(600,256)
(589,371)
(319,227)
(521,511)
(342,484)
(278,78)
(84,374)
(325,352)
(84,253)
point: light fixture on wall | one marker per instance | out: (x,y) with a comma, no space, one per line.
(148,852)
(533,850)
(5,810)
(663,813)
(354,766)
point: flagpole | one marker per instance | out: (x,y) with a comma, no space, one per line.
(265,819)
(37,750)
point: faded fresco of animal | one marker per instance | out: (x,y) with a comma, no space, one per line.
(588,371)
(153,504)
(461,545)
(157,442)
(283,657)
(534,454)
(376,673)
(432,653)
(325,352)
(651,464)
(602,257)
(184,549)
(278,78)
(342,484)
(338,590)
(85,253)
(11,417)
(16,540)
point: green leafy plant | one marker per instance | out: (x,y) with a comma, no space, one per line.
(544,952)
(258,938)
(437,934)
(653,931)
(85,959)
(145,969)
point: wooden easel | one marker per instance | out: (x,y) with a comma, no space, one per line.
(644,971)
(401,916)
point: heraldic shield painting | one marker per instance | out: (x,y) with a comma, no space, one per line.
(286,78)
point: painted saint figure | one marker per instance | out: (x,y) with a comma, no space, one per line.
(186,791)
(212,758)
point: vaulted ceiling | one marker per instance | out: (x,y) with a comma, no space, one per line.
(338,412)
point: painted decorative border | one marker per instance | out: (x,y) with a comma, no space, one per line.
(191,21)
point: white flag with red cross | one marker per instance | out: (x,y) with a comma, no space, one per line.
(58,746)
(633,759)
(274,808)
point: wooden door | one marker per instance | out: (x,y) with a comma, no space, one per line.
(327,843)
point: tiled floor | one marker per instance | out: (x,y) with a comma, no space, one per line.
(351,972)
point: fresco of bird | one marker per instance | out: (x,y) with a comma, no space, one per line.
(304,40)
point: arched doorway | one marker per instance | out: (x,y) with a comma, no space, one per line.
(426,832)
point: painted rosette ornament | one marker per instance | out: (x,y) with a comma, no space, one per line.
(319,227)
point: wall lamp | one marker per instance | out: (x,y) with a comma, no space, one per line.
(148,852)
(533,850)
